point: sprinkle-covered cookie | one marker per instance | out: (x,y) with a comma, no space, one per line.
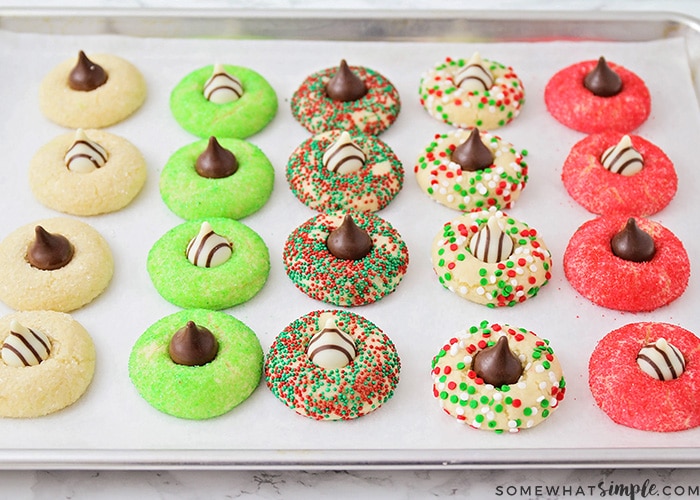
(357,377)
(352,98)
(335,170)
(498,377)
(491,258)
(203,110)
(638,264)
(462,173)
(472,92)
(647,376)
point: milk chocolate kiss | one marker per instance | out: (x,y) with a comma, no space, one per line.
(345,85)
(193,345)
(49,251)
(348,241)
(216,162)
(86,75)
(497,365)
(472,155)
(603,81)
(633,244)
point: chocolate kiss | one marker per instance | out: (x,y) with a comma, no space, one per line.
(193,345)
(497,365)
(633,244)
(603,81)
(472,155)
(86,75)
(49,251)
(216,162)
(345,85)
(348,241)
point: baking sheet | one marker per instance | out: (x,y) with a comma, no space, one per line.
(111,426)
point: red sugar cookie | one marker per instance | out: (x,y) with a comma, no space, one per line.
(601,191)
(573,105)
(631,397)
(610,281)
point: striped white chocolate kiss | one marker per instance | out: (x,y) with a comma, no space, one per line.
(331,347)
(491,244)
(208,249)
(84,155)
(24,346)
(344,156)
(222,87)
(622,158)
(474,76)
(661,360)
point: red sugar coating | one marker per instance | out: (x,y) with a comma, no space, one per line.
(631,397)
(601,191)
(609,281)
(573,105)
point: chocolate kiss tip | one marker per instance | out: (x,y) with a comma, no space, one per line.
(348,241)
(497,365)
(86,75)
(345,85)
(603,81)
(472,155)
(193,346)
(49,251)
(633,244)
(216,162)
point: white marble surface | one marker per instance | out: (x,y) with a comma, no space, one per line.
(479,484)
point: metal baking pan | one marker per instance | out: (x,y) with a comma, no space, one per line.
(111,427)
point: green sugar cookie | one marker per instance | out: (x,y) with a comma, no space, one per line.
(191,196)
(189,286)
(241,118)
(197,392)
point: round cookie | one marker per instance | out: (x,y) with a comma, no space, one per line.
(203,391)
(523,404)
(573,105)
(191,196)
(186,285)
(106,189)
(344,393)
(120,96)
(371,114)
(238,119)
(486,109)
(56,382)
(504,282)
(444,180)
(369,189)
(25,287)
(604,192)
(622,284)
(322,276)
(632,398)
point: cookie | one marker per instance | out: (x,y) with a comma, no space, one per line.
(336,171)
(645,400)
(574,105)
(366,262)
(238,118)
(87,172)
(82,272)
(645,185)
(370,110)
(447,92)
(55,375)
(196,391)
(626,283)
(498,377)
(332,365)
(72,96)
(491,258)
(237,190)
(197,284)
(447,170)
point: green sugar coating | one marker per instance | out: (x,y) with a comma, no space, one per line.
(197,392)
(192,196)
(240,118)
(233,282)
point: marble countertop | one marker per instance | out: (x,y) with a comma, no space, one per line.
(387,484)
